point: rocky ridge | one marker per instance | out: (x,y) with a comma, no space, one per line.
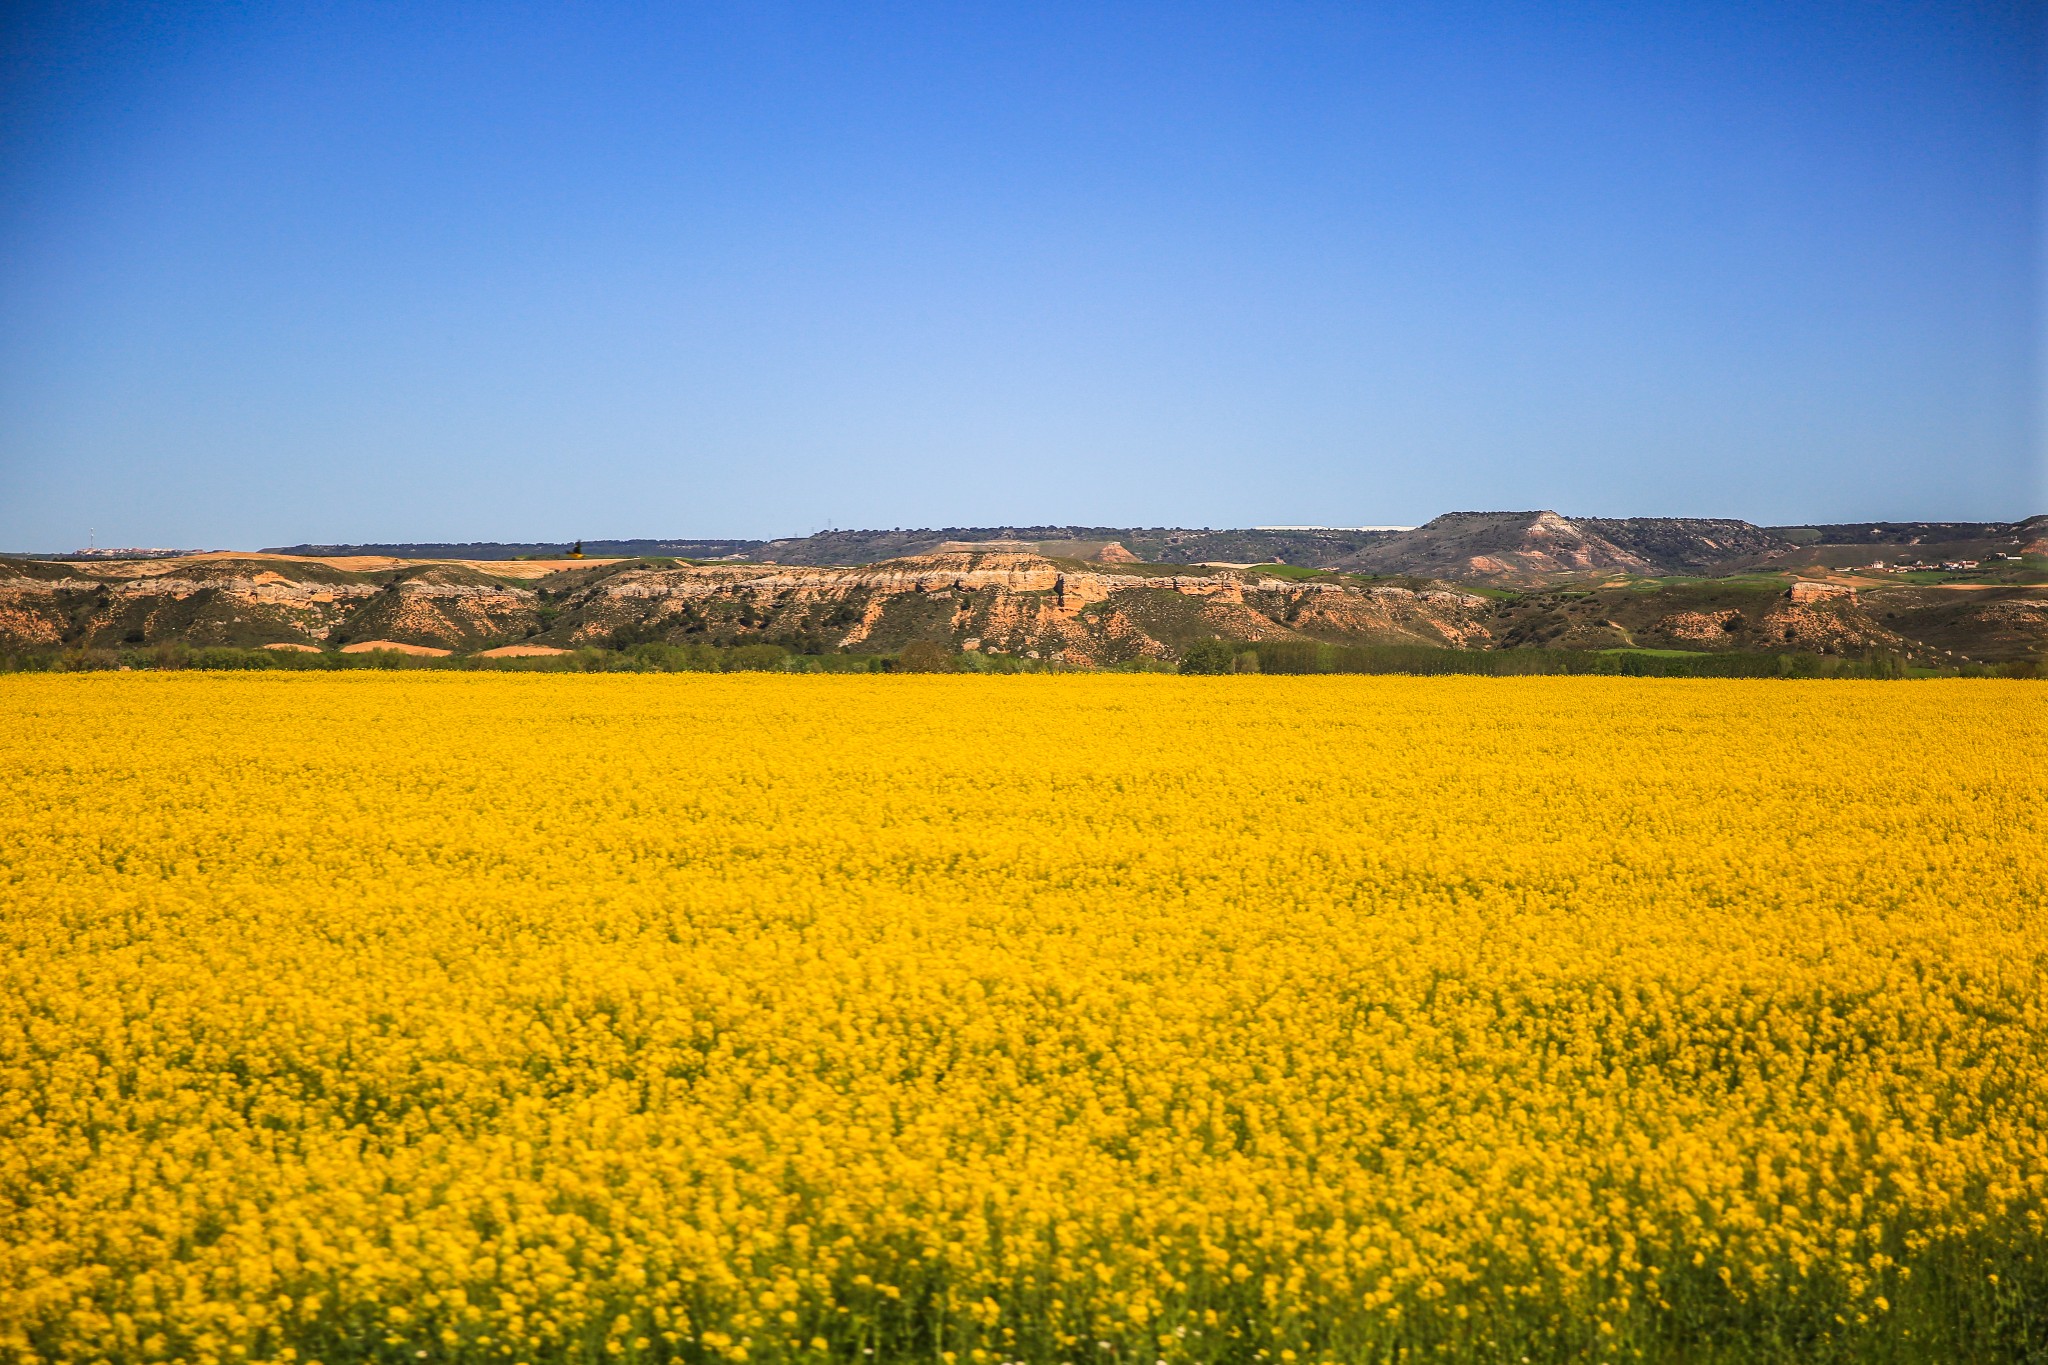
(1573,589)
(1004,601)
(997,601)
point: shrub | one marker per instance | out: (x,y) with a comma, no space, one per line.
(923,656)
(756,659)
(220,657)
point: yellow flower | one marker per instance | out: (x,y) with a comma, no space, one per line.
(1315,1018)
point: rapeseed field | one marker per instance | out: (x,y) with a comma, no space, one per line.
(1103,1020)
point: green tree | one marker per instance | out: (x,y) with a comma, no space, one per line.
(1207,656)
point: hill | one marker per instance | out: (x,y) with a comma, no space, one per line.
(1584,592)
(1686,544)
(1506,548)
(1853,544)
(1499,547)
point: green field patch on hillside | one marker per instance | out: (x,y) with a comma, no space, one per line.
(1155,570)
(1747,582)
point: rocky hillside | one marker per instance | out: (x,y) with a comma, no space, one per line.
(1685,544)
(1539,547)
(997,601)
(1499,547)
(1003,601)
(1105,611)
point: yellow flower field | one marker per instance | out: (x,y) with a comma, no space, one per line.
(1106,1020)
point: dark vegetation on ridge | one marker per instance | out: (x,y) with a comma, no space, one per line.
(1532,542)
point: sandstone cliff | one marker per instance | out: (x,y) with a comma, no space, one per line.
(1004,601)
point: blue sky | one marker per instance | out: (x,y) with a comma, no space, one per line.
(272,273)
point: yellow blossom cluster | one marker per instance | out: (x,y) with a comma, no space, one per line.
(1108,1020)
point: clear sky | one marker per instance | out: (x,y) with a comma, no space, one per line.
(423,271)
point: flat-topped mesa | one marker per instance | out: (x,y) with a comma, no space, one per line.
(969,570)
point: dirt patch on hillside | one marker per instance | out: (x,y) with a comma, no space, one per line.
(1699,626)
(521,568)
(371,646)
(27,627)
(346,563)
(520,652)
(1812,628)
